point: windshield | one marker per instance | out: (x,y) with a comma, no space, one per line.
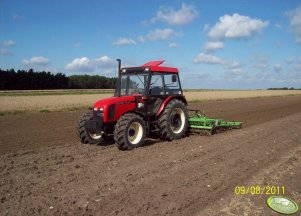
(133,84)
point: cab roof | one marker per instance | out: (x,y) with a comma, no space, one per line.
(154,66)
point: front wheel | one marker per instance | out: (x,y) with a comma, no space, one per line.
(86,136)
(173,121)
(129,131)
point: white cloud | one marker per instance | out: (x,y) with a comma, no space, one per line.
(236,27)
(76,45)
(278,44)
(211,46)
(209,59)
(234,67)
(278,25)
(297,68)
(80,65)
(173,45)
(161,34)
(104,61)
(8,43)
(104,64)
(141,39)
(295,22)
(237,72)
(297,65)
(290,60)
(277,68)
(124,42)
(5,52)
(169,15)
(40,60)
(206,27)
(261,63)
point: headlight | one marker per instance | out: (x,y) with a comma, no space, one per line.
(100,109)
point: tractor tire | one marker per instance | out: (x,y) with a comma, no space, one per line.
(129,131)
(84,135)
(173,121)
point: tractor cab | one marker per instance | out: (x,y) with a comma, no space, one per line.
(149,79)
(151,82)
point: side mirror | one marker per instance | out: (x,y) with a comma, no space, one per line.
(174,78)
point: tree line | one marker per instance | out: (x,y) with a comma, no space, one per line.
(283,88)
(32,80)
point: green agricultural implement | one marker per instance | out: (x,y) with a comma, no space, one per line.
(200,123)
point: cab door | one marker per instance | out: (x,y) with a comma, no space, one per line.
(156,93)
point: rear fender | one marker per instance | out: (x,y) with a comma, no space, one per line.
(169,98)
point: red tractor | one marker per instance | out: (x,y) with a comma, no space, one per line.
(148,99)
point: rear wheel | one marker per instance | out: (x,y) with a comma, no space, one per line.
(129,131)
(173,121)
(85,136)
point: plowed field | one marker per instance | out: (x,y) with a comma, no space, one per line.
(44,170)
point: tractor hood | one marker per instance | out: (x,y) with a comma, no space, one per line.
(104,103)
(114,107)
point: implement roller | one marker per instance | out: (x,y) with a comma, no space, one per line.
(200,123)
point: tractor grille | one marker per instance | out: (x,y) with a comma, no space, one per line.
(97,114)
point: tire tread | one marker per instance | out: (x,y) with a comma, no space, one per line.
(163,123)
(120,131)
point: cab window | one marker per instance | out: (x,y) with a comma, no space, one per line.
(156,85)
(172,85)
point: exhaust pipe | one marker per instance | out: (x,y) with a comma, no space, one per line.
(119,67)
(119,78)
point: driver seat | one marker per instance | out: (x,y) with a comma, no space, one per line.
(156,90)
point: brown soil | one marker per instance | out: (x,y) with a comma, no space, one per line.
(44,170)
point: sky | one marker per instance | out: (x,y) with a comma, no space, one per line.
(218,44)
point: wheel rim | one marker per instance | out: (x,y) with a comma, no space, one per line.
(135,132)
(95,136)
(177,120)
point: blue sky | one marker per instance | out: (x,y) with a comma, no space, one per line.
(216,44)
